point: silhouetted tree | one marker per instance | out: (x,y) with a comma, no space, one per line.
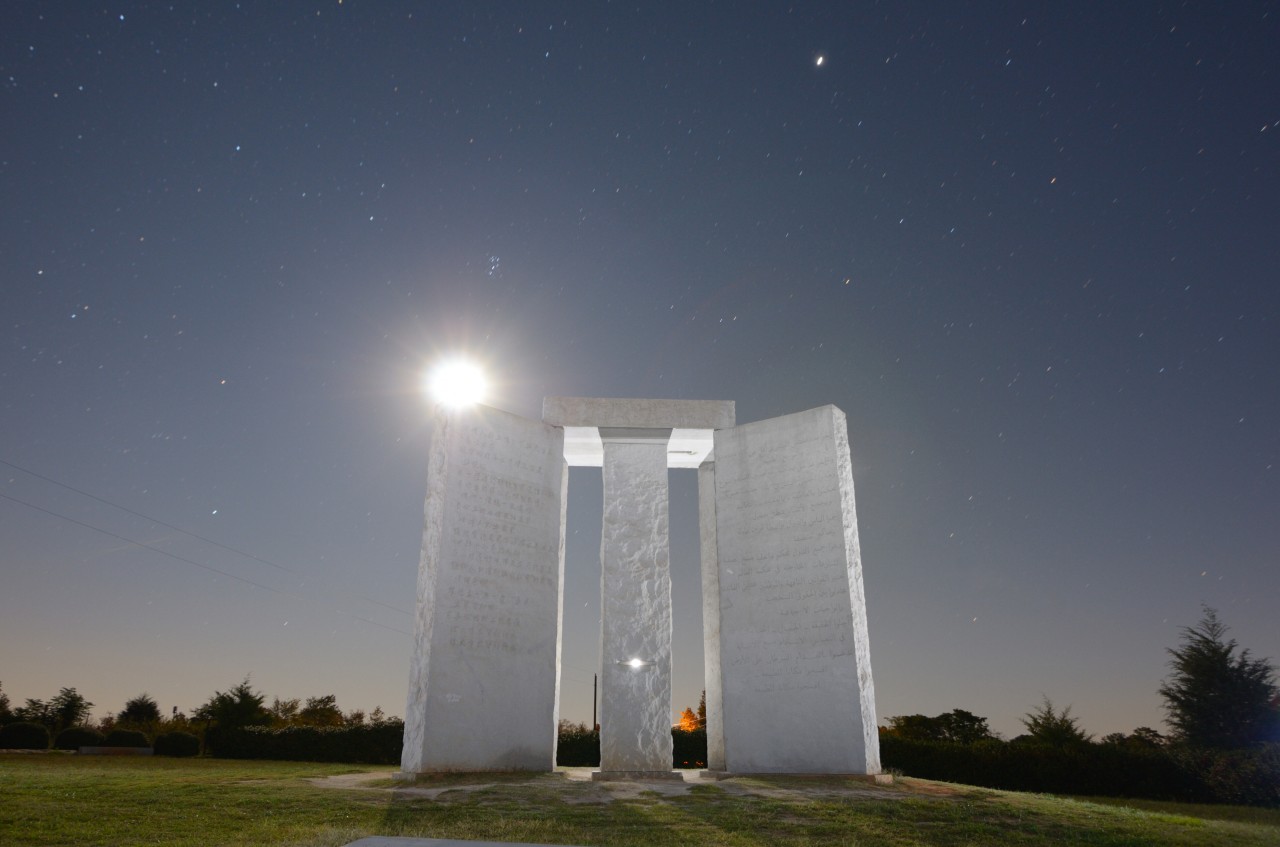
(6,714)
(1045,725)
(956,726)
(140,711)
(321,711)
(1217,696)
(284,712)
(702,710)
(239,707)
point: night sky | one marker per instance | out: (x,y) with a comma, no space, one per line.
(1030,249)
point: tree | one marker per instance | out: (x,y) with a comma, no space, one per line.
(34,711)
(1045,725)
(956,726)
(239,707)
(702,710)
(6,714)
(1216,695)
(140,711)
(68,709)
(688,721)
(284,712)
(321,711)
(1142,738)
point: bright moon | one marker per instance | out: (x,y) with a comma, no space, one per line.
(457,382)
(818,61)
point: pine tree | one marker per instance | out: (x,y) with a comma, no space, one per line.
(1216,695)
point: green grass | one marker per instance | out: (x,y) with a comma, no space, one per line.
(74,800)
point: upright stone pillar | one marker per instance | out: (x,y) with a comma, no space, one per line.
(483,684)
(635,442)
(795,664)
(710,615)
(635,607)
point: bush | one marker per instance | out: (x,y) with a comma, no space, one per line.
(1104,770)
(126,738)
(688,748)
(75,737)
(365,744)
(577,746)
(1247,777)
(24,735)
(177,744)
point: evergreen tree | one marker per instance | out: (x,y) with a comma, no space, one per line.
(1048,726)
(140,711)
(239,707)
(1216,695)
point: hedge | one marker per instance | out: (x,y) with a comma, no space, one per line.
(177,744)
(75,737)
(1102,770)
(366,744)
(126,738)
(24,735)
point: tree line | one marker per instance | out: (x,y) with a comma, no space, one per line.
(1222,707)
(240,707)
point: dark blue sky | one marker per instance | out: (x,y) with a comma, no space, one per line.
(1030,249)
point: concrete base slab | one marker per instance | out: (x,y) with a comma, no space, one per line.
(635,776)
(399,841)
(871,778)
(435,776)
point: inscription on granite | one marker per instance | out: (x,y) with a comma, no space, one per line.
(483,681)
(792,641)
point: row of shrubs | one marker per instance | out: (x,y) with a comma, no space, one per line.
(372,744)
(1250,777)
(25,735)
(579,747)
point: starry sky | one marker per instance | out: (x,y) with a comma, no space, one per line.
(1030,249)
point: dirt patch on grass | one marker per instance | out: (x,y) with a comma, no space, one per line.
(573,786)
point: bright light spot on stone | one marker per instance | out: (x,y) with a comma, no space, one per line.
(457,382)
(636,663)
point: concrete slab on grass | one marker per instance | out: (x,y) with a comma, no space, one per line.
(390,841)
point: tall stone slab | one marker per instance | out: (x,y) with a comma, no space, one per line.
(483,687)
(795,666)
(711,680)
(635,608)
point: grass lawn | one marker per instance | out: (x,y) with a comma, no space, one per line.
(70,800)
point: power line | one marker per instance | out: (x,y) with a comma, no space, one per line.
(200,565)
(159,522)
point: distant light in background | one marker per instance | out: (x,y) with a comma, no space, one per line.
(457,382)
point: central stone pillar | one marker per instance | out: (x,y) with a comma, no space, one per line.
(635,608)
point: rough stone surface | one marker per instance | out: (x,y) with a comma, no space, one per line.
(484,675)
(792,617)
(710,615)
(653,414)
(635,618)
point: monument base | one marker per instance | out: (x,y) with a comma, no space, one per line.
(635,776)
(408,777)
(872,778)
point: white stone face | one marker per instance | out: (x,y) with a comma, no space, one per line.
(795,667)
(711,615)
(483,681)
(648,414)
(635,587)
